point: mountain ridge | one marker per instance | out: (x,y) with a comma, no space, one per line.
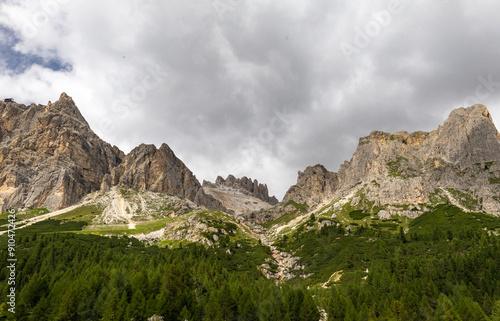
(253,187)
(51,158)
(460,158)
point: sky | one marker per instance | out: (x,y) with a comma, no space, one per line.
(255,88)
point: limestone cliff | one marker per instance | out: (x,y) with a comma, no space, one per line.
(159,170)
(246,185)
(315,184)
(459,162)
(49,156)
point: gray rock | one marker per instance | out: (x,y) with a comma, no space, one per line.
(159,170)
(49,156)
(315,184)
(458,163)
(246,185)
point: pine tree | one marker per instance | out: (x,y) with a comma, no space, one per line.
(446,310)
(496,311)
(185,315)
(41,311)
(137,307)
(111,307)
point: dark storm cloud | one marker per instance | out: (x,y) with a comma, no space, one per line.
(259,88)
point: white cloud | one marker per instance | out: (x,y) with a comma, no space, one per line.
(206,77)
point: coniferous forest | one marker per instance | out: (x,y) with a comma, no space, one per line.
(446,267)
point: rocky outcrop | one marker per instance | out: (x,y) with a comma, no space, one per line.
(315,184)
(246,185)
(159,170)
(459,163)
(49,156)
(204,228)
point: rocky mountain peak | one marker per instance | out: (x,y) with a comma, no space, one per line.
(314,184)
(459,159)
(245,184)
(66,106)
(49,156)
(412,139)
(467,137)
(476,111)
(158,170)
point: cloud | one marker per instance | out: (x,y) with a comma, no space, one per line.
(255,88)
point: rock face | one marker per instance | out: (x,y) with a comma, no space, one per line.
(49,156)
(245,184)
(459,162)
(159,170)
(315,184)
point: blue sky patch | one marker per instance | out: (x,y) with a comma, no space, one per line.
(17,62)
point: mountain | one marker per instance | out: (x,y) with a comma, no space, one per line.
(50,158)
(158,170)
(404,173)
(403,231)
(251,187)
(315,184)
(240,195)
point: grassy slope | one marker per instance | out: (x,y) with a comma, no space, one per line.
(332,248)
(363,249)
(20,216)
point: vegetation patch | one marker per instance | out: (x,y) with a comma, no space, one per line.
(494,180)
(54,226)
(85,213)
(436,198)
(400,168)
(359,214)
(20,216)
(449,217)
(465,198)
(433,259)
(446,261)
(487,165)
(286,218)
(123,229)
(387,225)
(86,277)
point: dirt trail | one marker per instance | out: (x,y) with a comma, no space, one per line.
(36,219)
